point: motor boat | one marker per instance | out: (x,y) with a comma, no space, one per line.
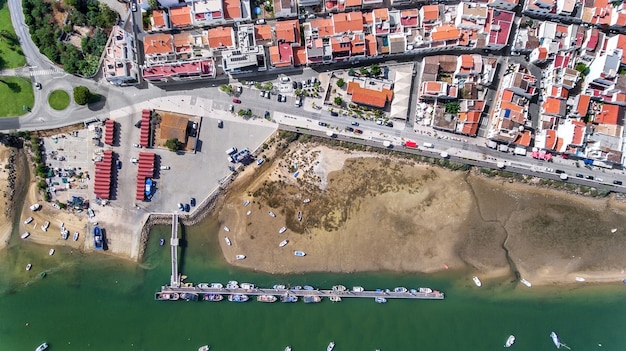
(510,341)
(330,346)
(282,230)
(283,243)
(51,252)
(226,229)
(299,253)
(25,235)
(240,257)
(227,240)
(477,281)
(42,347)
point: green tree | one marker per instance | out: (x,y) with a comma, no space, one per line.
(82,95)
(452,107)
(173,144)
(227,88)
(338,100)
(351,72)
(341,83)
(154,4)
(376,70)
(364,71)
(582,68)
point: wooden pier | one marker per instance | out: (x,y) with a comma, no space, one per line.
(180,290)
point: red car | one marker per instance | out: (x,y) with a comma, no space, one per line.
(237,101)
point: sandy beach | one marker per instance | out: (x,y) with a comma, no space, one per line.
(370,212)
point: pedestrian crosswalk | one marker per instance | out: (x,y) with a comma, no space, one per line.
(45,72)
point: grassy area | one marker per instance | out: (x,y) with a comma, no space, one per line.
(11,55)
(59,100)
(16,92)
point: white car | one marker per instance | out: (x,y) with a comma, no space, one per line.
(134,160)
(165,167)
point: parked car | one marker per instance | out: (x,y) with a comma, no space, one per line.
(358,131)
(231,108)
(118,163)
(181,207)
(220,123)
(193,202)
(579,175)
(259,161)
(355,123)
(590,177)
(389,124)
(268,95)
(262,93)
(134,160)
(137,145)
(617,182)
(187,208)
(165,168)
(349,129)
(267,114)
(334,114)
(294,85)
(239,89)
(298,102)
(323,124)
(299,85)
(133,6)
(237,101)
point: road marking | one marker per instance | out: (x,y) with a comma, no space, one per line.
(44,72)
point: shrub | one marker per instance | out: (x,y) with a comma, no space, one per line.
(82,95)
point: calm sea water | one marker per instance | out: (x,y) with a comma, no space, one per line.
(90,302)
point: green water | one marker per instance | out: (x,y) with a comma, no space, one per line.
(92,302)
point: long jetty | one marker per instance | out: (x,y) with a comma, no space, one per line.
(176,285)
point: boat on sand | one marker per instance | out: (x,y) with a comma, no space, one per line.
(525,282)
(282,230)
(227,240)
(283,243)
(477,281)
(240,257)
(509,341)
(226,229)
(29,266)
(25,235)
(299,253)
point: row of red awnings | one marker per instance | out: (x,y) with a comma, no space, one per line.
(109,131)
(146,170)
(102,181)
(144,139)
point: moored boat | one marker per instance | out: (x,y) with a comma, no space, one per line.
(477,281)
(227,240)
(555,340)
(278,287)
(299,253)
(240,257)
(233,284)
(45,226)
(272,214)
(357,289)
(308,287)
(189,296)
(282,230)
(65,234)
(525,282)
(425,290)
(296,287)
(29,266)
(289,298)
(212,297)
(330,346)
(51,252)
(283,243)
(312,299)
(97,238)
(161,241)
(217,285)
(204,348)
(579,279)
(42,347)
(339,288)
(300,216)
(248,213)
(25,235)
(400,289)
(380,299)
(288,348)
(28,220)
(335,298)
(163,296)
(306,201)
(238,298)
(203,286)
(35,207)
(226,229)
(75,237)
(266,298)
(248,286)
(510,341)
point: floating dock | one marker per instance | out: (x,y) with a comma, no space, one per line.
(178,288)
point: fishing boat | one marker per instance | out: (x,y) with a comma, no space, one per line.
(300,216)
(509,341)
(525,282)
(248,286)
(226,229)
(278,287)
(163,296)
(380,299)
(272,214)
(29,266)
(340,288)
(400,289)
(75,237)
(579,279)
(233,284)
(312,299)
(227,240)
(203,286)
(51,252)
(240,257)
(308,287)
(204,348)
(28,220)
(477,281)
(217,285)
(335,298)
(289,298)
(213,297)
(330,346)
(189,296)
(299,253)
(555,340)
(283,243)
(25,235)
(282,230)
(42,347)
(97,238)
(246,203)
(357,289)
(248,213)
(238,298)
(425,290)
(266,298)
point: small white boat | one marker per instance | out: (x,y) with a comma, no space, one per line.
(335,298)
(217,285)
(357,289)
(525,282)
(35,207)
(75,237)
(204,348)
(288,348)
(25,235)
(510,341)
(42,347)
(306,201)
(240,257)
(203,286)
(51,252)
(29,266)
(400,289)
(331,346)
(28,220)
(227,240)
(380,299)
(272,214)
(299,253)
(300,216)
(45,226)
(282,230)
(247,286)
(246,203)
(579,279)
(283,243)
(555,340)
(226,229)
(248,213)
(477,281)
(613,230)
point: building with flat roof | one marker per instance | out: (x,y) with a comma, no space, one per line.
(119,67)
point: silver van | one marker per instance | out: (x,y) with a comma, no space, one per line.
(231,151)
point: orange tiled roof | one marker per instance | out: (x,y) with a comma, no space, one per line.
(608,115)
(621,43)
(543,53)
(524,138)
(370,43)
(368,18)
(583,104)
(182,40)
(340,44)
(579,133)
(158,19)
(289,31)
(353,3)
(263,32)
(552,105)
(368,96)
(345,22)
(220,37)
(445,33)
(430,12)
(232,9)
(324,26)
(432,87)
(467,61)
(551,139)
(180,16)
(299,56)
(621,19)
(381,14)
(507,95)
(157,44)
(277,60)
(505,105)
